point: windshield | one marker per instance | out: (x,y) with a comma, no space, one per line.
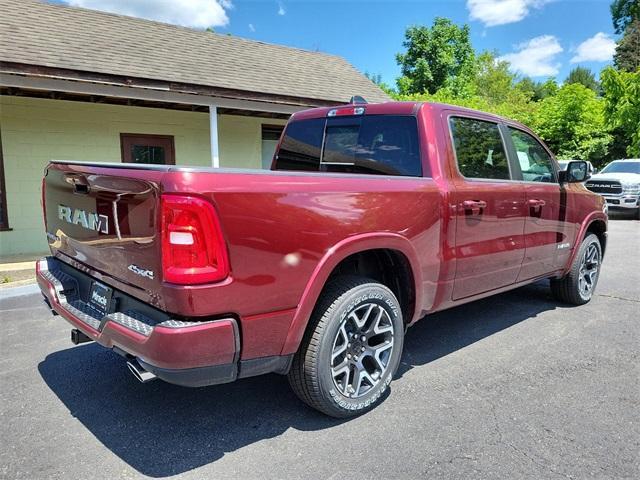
(622,167)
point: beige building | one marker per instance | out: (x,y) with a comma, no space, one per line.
(78,84)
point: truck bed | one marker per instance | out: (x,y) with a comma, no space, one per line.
(277,227)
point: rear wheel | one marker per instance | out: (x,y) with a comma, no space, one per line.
(578,285)
(351,350)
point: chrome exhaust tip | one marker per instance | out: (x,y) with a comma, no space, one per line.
(142,375)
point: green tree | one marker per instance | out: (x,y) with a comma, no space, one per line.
(435,58)
(622,105)
(527,86)
(537,90)
(623,12)
(627,56)
(584,76)
(517,104)
(549,88)
(377,79)
(493,80)
(572,122)
(374,77)
(491,87)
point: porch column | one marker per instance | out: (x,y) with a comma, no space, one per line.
(213,131)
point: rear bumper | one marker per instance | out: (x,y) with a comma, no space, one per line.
(190,353)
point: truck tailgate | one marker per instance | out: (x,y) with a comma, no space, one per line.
(106,218)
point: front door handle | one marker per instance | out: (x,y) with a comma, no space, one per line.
(474,206)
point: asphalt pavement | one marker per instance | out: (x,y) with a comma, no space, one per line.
(514,386)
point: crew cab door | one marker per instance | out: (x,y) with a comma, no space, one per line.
(548,236)
(489,208)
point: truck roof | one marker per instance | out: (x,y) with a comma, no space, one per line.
(394,108)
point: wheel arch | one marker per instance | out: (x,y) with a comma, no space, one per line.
(392,248)
(599,229)
(595,223)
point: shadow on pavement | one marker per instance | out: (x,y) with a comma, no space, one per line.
(445,332)
(162,430)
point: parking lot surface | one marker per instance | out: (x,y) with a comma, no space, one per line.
(514,386)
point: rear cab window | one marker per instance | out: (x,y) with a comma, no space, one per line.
(369,144)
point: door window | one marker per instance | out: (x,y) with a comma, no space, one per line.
(147,149)
(480,152)
(535,162)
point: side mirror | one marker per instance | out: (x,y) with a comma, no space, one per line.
(577,171)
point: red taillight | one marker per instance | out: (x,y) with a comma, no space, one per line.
(193,249)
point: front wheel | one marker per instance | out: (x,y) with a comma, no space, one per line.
(578,285)
(351,349)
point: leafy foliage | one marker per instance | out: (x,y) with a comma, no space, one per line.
(377,79)
(374,77)
(584,76)
(582,119)
(623,12)
(622,105)
(549,88)
(627,56)
(573,124)
(538,90)
(489,86)
(493,80)
(435,58)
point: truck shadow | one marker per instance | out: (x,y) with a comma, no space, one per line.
(162,430)
(444,332)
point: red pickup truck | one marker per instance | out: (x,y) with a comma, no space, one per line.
(372,217)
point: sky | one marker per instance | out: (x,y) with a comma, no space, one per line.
(540,38)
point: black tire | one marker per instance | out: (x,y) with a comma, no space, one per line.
(331,325)
(569,289)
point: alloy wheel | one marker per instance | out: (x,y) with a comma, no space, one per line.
(362,350)
(589,266)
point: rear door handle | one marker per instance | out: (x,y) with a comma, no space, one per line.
(536,203)
(474,206)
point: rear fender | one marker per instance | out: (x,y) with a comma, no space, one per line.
(340,251)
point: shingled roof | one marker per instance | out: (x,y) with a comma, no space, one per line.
(38,34)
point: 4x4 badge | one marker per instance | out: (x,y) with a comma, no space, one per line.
(141,271)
